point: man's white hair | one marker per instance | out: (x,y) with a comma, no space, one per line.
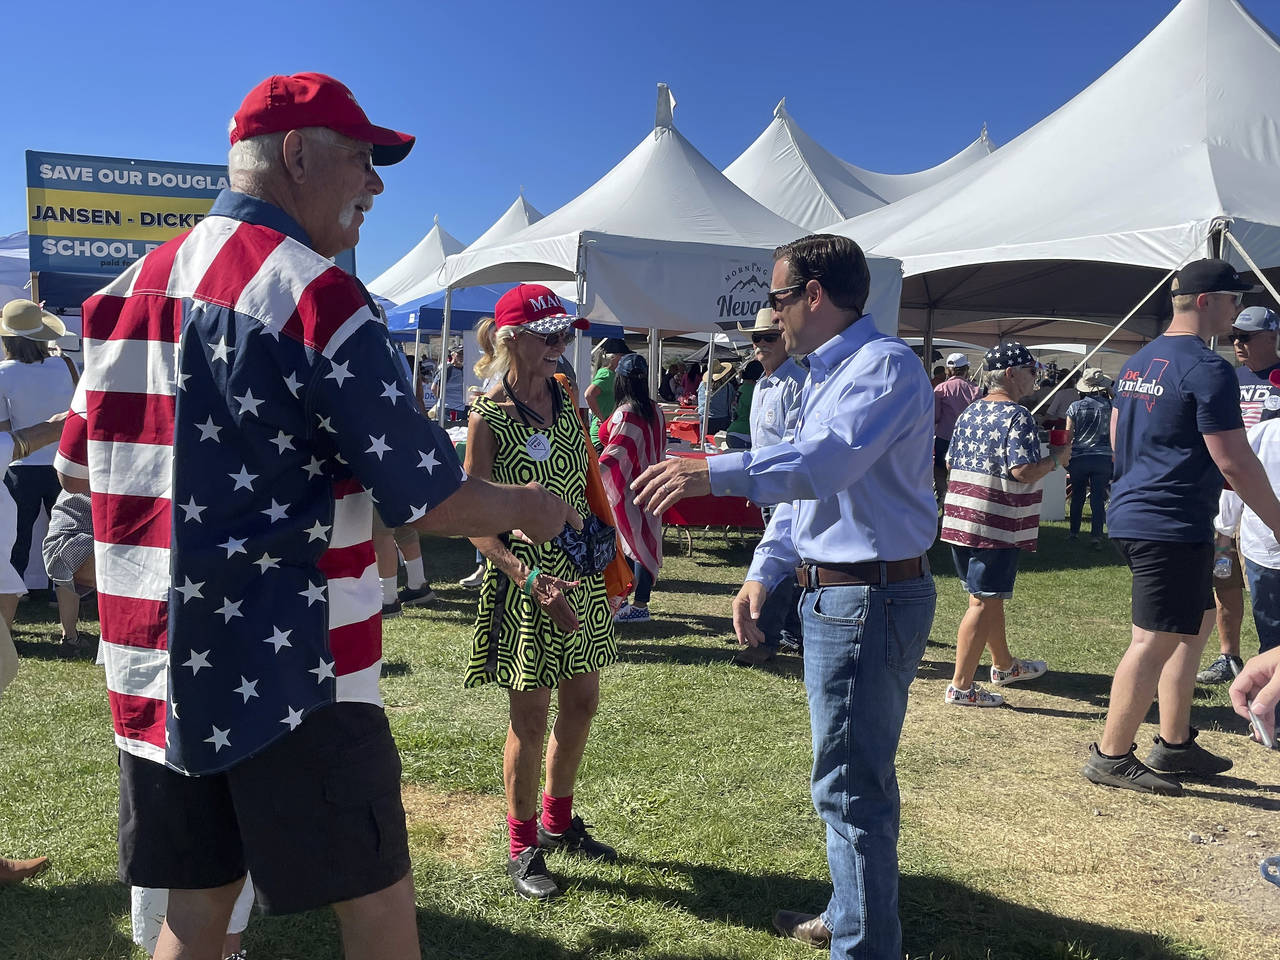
(261,154)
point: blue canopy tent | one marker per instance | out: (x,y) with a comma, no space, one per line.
(470,304)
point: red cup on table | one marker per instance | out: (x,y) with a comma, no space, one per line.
(1057,438)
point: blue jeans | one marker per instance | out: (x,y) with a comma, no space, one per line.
(862,646)
(644,582)
(1264,594)
(1090,474)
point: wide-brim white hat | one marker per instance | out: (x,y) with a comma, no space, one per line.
(24,318)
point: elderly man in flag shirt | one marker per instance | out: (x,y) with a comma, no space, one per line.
(240,414)
(991,513)
(855,516)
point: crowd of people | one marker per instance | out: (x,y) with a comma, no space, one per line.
(251,493)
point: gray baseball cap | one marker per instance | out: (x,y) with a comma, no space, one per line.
(1255,319)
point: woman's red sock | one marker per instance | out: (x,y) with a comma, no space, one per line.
(523,834)
(557,813)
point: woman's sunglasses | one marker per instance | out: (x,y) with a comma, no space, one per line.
(559,338)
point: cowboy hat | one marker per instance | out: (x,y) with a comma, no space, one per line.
(723,372)
(23,318)
(763,324)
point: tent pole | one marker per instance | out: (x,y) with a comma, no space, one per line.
(444,354)
(417,352)
(35,286)
(926,349)
(655,362)
(1262,277)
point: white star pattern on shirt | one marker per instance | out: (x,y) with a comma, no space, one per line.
(379,445)
(192,510)
(293,383)
(418,513)
(276,511)
(428,461)
(182,379)
(323,672)
(314,592)
(325,423)
(247,688)
(391,391)
(248,404)
(209,430)
(283,441)
(189,590)
(292,718)
(266,562)
(220,351)
(197,661)
(314,468)
(243,479)
(220,739)
(317,531)
(229,610)
(279,638)
(233,546)
(340,373)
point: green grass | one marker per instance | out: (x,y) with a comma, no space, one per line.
(698,772)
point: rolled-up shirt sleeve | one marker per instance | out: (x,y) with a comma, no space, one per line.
(841,441)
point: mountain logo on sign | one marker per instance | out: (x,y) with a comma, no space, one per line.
(746,290)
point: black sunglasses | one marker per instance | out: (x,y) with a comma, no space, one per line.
(765,337)
(776,295)
(550,339)
(1243,337)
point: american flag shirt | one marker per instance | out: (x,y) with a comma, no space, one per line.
(241,410)
(985,507)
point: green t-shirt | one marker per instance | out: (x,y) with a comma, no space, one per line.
(742,420)
(604,380)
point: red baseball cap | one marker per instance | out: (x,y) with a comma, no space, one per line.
(534,306)
(282,103)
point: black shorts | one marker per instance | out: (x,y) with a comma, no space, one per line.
(940,447)
(1172,584)
(316,817)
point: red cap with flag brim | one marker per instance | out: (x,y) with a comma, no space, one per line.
(281,103)
(536,307)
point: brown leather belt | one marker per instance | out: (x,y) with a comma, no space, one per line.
(871,573)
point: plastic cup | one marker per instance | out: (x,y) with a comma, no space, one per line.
(1057,438)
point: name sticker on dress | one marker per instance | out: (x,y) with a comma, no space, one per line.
(538,447)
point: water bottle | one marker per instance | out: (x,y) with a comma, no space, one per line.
(1222,567)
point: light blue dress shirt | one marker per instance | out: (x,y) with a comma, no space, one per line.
(855,483)
(776,404)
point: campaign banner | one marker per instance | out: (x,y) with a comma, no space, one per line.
(97,215)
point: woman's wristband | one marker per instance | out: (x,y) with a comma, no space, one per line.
(528,581)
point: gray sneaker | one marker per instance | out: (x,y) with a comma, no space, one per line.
(1220,670)
(1128,773)
(1188,759)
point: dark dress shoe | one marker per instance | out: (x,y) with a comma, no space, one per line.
(577,840)
(804,927)
(528,873)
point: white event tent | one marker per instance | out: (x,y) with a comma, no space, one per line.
(515,218)
(423,261)
(662,241)
(1083,215)
(798,179)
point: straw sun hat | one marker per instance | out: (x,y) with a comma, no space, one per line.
(23,318)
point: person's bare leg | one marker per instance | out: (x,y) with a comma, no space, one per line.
(1229,603)
(384,550)
(579,698)
(381,925)
(9,606)
(68,611)
(522,758)
(981,626)
(1178,684)
(1134,687)
(195,923)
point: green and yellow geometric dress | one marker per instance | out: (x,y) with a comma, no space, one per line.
(516,645)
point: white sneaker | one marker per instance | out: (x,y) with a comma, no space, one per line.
(473,582)
(1018,671)
(975,696)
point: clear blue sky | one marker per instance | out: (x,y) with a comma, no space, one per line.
(552,95)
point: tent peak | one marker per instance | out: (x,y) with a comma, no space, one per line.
(665,117)
(982,134)
(780,111)
(437,219)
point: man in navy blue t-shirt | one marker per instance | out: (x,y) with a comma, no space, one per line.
(1177,431)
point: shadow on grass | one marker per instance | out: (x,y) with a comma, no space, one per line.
(64,922)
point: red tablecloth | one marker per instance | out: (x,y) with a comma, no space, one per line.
(686,430)
(712,511)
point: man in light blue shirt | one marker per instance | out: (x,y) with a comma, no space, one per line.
(856,514)
(775,404)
